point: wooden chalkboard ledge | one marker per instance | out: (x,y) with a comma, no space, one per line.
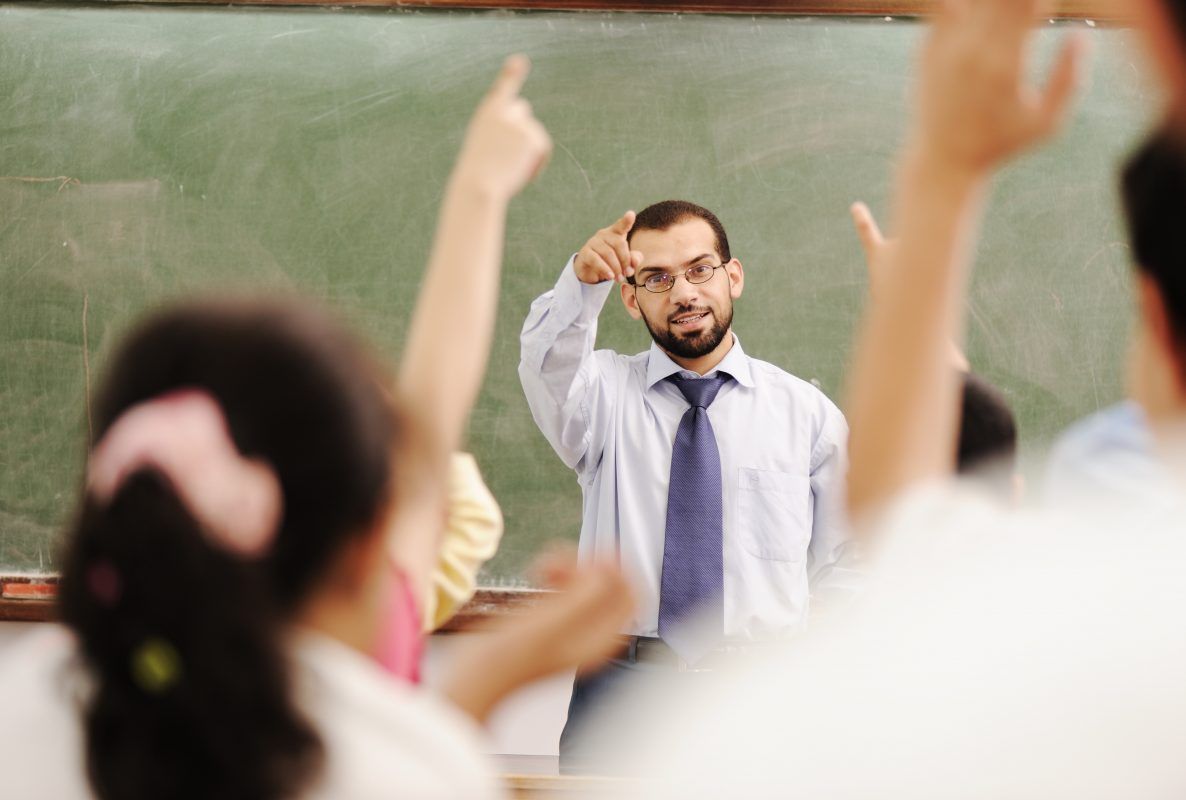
(30,598)
(1106,10)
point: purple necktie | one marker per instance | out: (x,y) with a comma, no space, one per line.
(691,594)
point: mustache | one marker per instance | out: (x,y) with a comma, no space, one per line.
(681,310)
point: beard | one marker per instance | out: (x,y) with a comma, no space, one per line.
(696,345)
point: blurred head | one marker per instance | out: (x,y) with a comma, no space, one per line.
(987,446)
(686,258)
(1163,23)
(183,636)
(1154,192)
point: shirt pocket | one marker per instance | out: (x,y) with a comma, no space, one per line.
(774,513)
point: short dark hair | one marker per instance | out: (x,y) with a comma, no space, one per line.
(987,444)
(662,215)
(1154,190)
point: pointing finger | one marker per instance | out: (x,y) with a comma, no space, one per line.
(624,224)
(511,78)
(867,230)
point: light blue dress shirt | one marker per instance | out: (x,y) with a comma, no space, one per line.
(613,418)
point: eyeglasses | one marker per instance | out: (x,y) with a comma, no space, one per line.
(659,282)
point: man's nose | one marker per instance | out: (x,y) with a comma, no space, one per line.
(683,291)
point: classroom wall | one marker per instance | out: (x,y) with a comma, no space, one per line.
(527,723)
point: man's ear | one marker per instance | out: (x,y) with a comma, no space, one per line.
(630,300)
(736,277)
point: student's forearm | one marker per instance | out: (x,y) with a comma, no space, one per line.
(902,398)
(488,668)
(445,359)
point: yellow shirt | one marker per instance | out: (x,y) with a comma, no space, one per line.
(473,529)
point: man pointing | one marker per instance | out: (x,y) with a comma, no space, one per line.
(713,478)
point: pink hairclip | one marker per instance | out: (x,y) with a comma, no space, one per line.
(184,434)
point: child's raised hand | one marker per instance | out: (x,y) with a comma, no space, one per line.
(976,107)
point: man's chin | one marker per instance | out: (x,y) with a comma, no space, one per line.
(695,346)
(702,333)
(690,344)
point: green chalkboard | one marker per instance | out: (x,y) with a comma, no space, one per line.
(150,153)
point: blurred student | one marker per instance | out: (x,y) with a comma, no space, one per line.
(1110,457)
(227,592)
(997,654)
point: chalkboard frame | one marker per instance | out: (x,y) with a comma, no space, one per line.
(25,598)
(1106,10)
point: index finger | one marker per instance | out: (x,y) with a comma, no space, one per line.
(867,230)
(624,224)
(511,77)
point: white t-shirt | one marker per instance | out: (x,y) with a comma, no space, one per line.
(995,655)
(383,739)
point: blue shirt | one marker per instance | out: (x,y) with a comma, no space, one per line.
(1107,458)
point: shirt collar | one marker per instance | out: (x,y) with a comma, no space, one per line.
(736,363)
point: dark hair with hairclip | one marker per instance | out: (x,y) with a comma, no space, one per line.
(191,694)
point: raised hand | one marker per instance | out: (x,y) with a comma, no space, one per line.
(452,326)
(878,253)
(976,107)
(577,625)
(505,145)
(607,255)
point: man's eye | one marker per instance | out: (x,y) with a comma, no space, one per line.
(656,281)
(700,271)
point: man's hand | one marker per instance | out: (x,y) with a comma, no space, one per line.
(505,145)
(975,107)
(607,255)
